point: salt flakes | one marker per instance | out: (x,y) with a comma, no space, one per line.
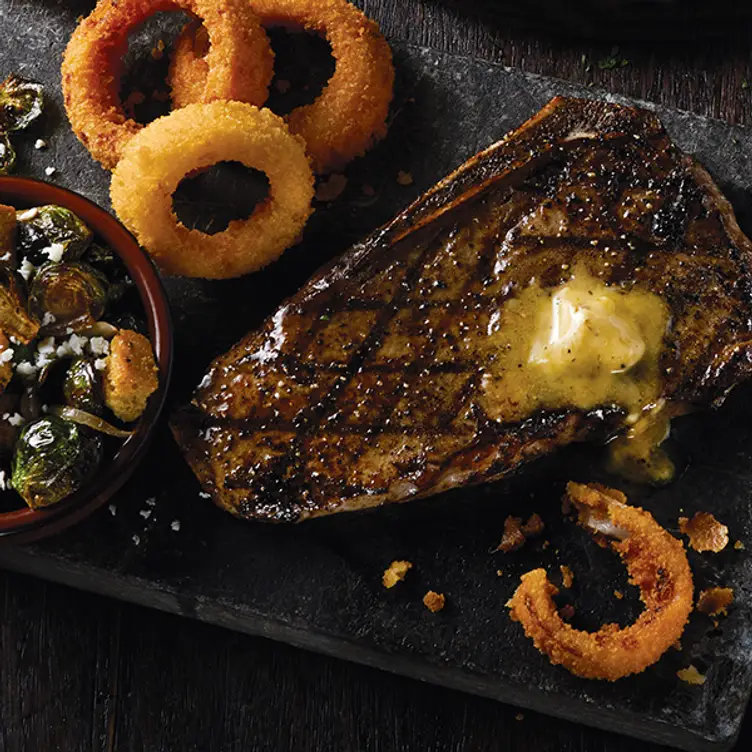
(175,525)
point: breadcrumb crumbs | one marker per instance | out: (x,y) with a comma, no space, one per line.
(691,675)
(516,533)
(705,532)
(395,573)
(567,576)
(434,601)
(715,601)
(404,178)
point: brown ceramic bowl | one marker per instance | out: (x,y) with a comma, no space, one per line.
(26,524)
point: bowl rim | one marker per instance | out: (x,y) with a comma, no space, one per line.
(27,524)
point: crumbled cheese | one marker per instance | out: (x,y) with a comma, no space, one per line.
(54,252)
(99,346)
(175,525)
(40,143)
(100,364)
(152,502)
(26,269)
(3,481)
(46,346)
(15,420)
(6,355)
(204,495)
(50,171)
(45,408)
(26,369)
(6,256)
(48,318)
(74,345)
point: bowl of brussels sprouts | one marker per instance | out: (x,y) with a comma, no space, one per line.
(85,357)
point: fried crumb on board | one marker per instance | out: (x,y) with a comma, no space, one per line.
(331,188)
(434,601)
(395,573)
(567,576)
(715,601)
(404,178)
(567,612)
(618,595)
(739,546)
(705,532)
(516,533)
(691,675)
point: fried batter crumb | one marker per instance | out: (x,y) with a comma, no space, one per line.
(739,546)
(715,601)
(677,646)
(395,573)
(567,612)
(331,188)
(512,539)
(434,601)
(691,675)
(705,532)
(519,717)
(567,576)
(404,178)
(618,595)
(534,526)
(499,572)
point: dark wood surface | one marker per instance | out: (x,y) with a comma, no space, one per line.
(79,672)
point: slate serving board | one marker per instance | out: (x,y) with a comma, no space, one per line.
(318,585)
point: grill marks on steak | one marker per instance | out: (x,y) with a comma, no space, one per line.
(363,387)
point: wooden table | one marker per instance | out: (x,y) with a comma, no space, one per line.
(79,672)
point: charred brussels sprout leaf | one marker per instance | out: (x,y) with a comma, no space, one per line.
(44,227)
(108,263)
(75,294)
(7,235)
(21,103)
(82,387)
(7,155)
(53,458)
(15,321)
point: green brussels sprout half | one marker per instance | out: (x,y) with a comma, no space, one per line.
(82,387)
(52,459)
(43,227)
(73,295)
(15,320)
(7,155)
(21,103)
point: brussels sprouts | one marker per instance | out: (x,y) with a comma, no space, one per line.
(75,294)
(82,387)
(14,318)
(7,235)
(52,459)
(104,260)
(21,103)
(47,227)
(7,155)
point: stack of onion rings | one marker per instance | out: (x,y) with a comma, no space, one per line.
(239,64)
(350,114)
(657,564)
(194,138)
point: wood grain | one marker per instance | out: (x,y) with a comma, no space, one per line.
(79,672)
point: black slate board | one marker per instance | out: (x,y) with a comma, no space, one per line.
(318,585)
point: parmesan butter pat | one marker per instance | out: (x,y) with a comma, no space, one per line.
(583,332)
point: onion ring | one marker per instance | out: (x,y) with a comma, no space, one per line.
(240,59)
(350,114)
(657,564)
(196,137)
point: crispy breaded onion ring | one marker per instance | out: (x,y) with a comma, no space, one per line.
(350,114)
(239,59)
(196,137)
(657,564)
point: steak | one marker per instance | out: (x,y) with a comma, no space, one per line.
(370,385)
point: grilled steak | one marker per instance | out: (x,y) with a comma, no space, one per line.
(371,384)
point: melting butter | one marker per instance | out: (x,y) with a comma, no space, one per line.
(582,345)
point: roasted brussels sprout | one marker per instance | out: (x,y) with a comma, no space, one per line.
(14,318)
(21,103)
(67,296)
(42,229)
(82,387)
(53,458)
(109,263)
(7,155)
